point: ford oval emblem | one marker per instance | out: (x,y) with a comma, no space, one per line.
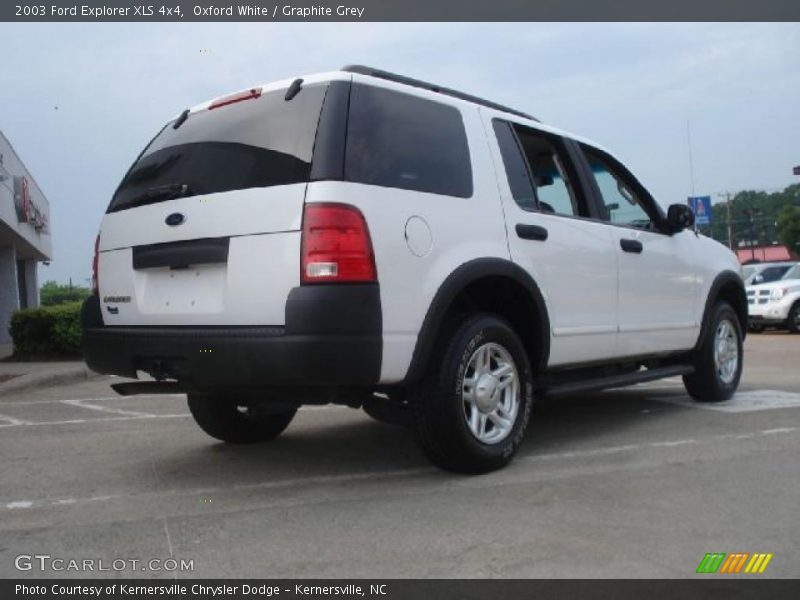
(175,219)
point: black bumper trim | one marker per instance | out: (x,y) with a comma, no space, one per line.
(332,337)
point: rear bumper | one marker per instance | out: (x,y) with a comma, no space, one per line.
(332,337)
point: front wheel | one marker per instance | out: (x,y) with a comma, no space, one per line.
(718,361)
(233,420)
(793,321)
(475,402)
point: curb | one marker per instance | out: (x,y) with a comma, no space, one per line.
(80,372)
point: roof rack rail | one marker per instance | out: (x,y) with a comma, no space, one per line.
(372,72)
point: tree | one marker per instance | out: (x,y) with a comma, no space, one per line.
(788,228)
(52,293)
(768,205)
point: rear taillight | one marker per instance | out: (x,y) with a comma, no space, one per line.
(336,246)
(95,260)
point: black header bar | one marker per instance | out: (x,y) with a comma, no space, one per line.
(399,10)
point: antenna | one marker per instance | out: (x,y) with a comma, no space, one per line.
(691,160)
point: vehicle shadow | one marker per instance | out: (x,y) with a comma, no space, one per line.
(329,443)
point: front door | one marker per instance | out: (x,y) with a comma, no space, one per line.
(657,273)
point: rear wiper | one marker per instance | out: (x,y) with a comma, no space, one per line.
(171,191)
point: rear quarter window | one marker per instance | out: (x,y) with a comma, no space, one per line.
(403,141)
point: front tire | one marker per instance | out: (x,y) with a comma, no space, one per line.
(475,402)
(718,360)
(793,322)
(232,420)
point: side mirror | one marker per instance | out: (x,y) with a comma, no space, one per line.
(679,217)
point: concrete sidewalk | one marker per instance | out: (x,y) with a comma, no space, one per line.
(16,376)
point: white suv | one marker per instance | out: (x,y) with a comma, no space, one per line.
(776,304)
(368,239)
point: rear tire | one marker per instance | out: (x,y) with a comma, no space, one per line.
(718,360)
(474,403)
(230,420)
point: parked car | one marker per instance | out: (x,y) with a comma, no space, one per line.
(776,304)
(368,239)
(765,272)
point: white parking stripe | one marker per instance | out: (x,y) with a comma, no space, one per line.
(351,477)
(107,409)
(97,420)
(746,401)
(100,399)
(11,421)
(125,415)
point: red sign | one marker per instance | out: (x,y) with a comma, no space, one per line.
(27,210)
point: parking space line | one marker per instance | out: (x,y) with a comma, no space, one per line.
(11,421)
(361,476)
(742,401)
(100,399)
(143,416)
(107,409)
(662,444)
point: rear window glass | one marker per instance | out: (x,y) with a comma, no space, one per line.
(402,141)
(260,142)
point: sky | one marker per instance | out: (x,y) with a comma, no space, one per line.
(79,101)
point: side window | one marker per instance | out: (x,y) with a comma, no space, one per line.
(621,203)
(553,189)
(402,141)
(539,173)
(519,179)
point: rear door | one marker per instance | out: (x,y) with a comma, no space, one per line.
(205,227)
(552,236)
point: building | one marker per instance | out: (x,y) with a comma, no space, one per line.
(24,238)
(773,253)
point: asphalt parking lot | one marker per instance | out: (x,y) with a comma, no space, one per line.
(639,482)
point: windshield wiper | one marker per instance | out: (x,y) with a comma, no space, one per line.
(171,191)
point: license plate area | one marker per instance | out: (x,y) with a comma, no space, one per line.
(189,290)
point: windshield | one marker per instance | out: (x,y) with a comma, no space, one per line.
(747,271)
(259,142)
(793,273)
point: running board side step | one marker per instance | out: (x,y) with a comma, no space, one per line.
(614,381)
(133,388)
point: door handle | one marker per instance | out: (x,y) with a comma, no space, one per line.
(531,232)
(634,246)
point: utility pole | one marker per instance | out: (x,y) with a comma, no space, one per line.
(727,196)
(750,213)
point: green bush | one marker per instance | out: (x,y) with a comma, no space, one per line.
(53,294)
(46,332)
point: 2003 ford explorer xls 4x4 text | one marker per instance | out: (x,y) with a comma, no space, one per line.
(377,241)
